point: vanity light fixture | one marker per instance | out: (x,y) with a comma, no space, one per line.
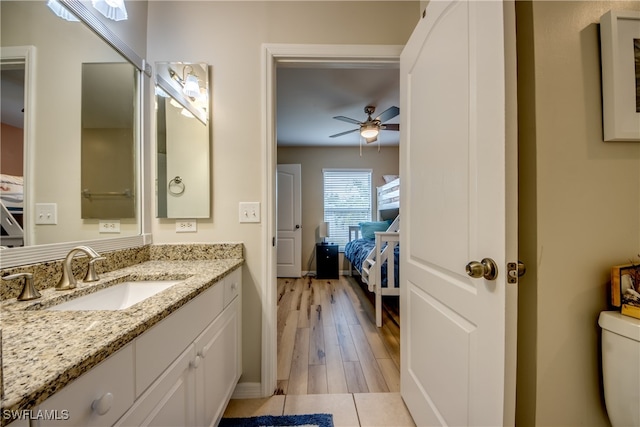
(61,11)
(189,82)
(112,9)
(191,86)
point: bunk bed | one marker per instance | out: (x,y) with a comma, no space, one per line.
(373,249)
(11,210)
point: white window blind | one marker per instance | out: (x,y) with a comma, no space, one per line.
(347,201)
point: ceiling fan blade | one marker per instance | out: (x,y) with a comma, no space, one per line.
(387,114)
(391,126)
(347,119)
(344,133)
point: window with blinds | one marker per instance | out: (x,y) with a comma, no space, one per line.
(347,201)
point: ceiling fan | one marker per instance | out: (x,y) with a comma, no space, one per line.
(370,128)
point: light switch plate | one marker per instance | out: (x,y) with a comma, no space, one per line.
(46,213)
(249,212)
(186,226)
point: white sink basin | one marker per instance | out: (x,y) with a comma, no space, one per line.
(116,297)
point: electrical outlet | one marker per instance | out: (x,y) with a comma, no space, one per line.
(111,226)
(249,212)
(186,226)
(47,213)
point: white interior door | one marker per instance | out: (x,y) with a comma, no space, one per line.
(289,217)
(459,205)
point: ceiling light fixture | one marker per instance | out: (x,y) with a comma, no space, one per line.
(61,11)
(112,9)
(369,130)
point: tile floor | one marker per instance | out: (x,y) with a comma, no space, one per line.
(349,409)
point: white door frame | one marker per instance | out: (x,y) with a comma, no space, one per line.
(316,56)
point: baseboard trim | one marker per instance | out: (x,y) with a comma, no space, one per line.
(248,391)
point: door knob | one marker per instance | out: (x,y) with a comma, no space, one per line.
(487,268)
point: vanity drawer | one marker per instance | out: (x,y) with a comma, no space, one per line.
(232,285)
(72,406)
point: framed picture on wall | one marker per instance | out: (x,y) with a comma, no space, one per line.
(620,57)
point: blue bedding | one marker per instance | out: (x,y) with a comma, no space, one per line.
(356,252)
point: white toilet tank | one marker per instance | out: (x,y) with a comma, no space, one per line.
(621,367)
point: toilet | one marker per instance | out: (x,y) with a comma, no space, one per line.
(621,367)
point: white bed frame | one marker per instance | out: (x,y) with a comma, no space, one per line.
(371,269)
(15,235)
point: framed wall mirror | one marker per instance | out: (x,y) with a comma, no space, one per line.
(46,147)
(182,140)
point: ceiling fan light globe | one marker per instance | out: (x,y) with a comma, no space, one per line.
(369,131)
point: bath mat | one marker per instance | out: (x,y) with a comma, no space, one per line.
(311,420)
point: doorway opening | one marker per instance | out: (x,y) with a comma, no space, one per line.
(278,57)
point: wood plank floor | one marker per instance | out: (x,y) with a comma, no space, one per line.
(328,341)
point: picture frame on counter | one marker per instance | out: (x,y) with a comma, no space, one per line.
(625,289)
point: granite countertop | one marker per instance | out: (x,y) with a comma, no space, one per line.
(42,351)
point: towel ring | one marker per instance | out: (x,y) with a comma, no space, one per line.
(176,182)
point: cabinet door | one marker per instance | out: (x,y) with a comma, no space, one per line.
(169,401)
(96,398)
(158,347)
(219,369)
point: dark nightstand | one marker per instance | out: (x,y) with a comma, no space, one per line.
(327,261)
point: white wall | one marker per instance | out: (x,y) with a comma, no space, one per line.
(229,36)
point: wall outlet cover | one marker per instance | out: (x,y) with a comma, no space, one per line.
(109,226)
(186,226)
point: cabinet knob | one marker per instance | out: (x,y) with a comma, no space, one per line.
(196,362)
(102,405)
(234,286)
(202,353)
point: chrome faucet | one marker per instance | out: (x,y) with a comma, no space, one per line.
(29,291)
(68,281)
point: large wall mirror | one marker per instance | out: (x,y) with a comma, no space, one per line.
(75,102)
(56,133)
(182,140)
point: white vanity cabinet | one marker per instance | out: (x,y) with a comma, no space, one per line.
(195,389)
(181,372)
(218,351)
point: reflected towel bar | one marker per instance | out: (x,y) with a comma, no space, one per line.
(88,194)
